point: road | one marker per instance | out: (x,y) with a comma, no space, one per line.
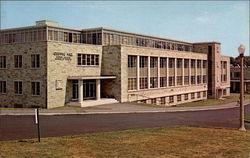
(22,127)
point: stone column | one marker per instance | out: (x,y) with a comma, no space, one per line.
(158,72)
(98,89)
(148,72)
(80,92)
(138,72)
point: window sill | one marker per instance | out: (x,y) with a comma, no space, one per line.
(88,66)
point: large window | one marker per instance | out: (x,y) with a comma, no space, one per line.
(179,80)
(3,87)
(143,61)
(171,63)
(35,61)
(88,59)
(153,62)
(171,81)
(204,78)
(163,81)
(192,63)
(179,63)
(132,84)
(171,99)
(35,88)
(178,98)
(153,82)
(18,61)
(3,63)
(18,87)
(186,80)
(186,63)
(143,83)
(132,60)
(163,62)
(199,79)
(192,79)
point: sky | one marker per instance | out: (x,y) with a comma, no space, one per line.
(226,22)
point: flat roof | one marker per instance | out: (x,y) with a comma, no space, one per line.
(90,77)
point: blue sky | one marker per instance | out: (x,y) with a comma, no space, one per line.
(192,21)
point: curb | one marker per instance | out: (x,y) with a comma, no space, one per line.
(128,112)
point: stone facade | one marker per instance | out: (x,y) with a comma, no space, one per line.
(59,49)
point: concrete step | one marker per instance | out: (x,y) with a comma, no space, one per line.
(88,103)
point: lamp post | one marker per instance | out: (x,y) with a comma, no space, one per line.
(241,50)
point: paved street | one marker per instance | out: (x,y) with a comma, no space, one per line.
(20,127)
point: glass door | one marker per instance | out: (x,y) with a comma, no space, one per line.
(89,89)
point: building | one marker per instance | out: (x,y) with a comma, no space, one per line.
(50,66)
(235,79)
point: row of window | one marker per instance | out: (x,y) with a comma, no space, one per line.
(179,98)
(143,62)
(143,81)
(18,61)
(18,87)
(88,59)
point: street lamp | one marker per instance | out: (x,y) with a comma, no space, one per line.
(241,50)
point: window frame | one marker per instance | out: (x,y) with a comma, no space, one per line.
(20,81)
(5,87)
(4,63)
(40,86)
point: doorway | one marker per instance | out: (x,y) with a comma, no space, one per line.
(89,89)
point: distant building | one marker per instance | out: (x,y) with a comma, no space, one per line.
(235,79)
(50,66)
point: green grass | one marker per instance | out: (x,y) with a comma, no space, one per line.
(61,108)
(173,142)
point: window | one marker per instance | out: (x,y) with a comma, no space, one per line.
(224,92)
(132,84)
(179,63)
(163,62)
(178,98)
(143,83)
(35,60)
(185,96)
(163,101)
(179,80)
(204,79)
(153,62)
(171,81)
(3,87)
(18,87)
(88,59)
(205,94)
(186,63)
(18,61)
(35,88)
(199,79)
(192,95)
(171,99)
(153,101)
(186,80)
(163,81)
(192,63)
(3,62)
(204,64)
(192,79)
(143,61)
(199,95)
(171,63)
(198,63)
(153,82)
(132,60)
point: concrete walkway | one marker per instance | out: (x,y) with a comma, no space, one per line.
(120,108)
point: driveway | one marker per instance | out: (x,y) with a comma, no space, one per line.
(21,127)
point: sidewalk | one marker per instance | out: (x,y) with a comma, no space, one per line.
(120,108)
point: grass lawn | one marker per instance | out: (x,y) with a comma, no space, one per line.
(209,102)
(159,142)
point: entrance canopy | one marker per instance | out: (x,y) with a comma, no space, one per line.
(90,77)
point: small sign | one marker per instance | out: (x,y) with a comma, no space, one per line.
(62,56)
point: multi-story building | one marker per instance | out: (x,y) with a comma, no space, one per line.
(50,66)
(235,79)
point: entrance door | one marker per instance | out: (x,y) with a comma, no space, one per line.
(89,89)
